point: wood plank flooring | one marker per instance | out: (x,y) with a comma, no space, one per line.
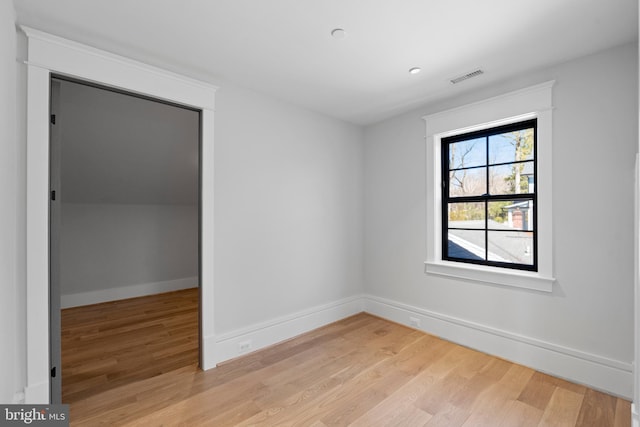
(108,345)
(361,371)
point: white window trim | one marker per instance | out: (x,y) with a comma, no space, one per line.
(528,103)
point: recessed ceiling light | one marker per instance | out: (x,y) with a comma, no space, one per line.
(415,70)
(338,33)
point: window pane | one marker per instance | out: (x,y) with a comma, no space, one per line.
(509,246)
(466,244)
(511,146)
(469,153)
(511,215)
(468,182)
(516,178)
(466,215)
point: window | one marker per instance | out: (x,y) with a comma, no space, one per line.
(489,197)
(501,232)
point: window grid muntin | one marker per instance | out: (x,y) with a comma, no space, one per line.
(486,198)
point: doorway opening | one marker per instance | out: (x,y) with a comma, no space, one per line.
(125,227)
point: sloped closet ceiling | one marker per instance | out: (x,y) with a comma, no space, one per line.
(122,149)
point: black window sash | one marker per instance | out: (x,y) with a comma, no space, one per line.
(486,198)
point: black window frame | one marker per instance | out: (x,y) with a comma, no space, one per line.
(486,198)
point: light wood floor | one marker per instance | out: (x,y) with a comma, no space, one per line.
(108,345)
(361,371)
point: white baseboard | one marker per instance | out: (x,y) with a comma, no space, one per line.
(226,346)
(133,291)
(18,398)
(37,393)
(601,373)
(635,416)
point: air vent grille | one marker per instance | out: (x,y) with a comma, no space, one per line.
(467,76)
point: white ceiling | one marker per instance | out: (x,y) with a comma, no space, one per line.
(283,47)
(117,148)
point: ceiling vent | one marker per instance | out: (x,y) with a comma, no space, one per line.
(467,76)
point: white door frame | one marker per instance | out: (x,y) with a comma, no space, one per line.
(49,54)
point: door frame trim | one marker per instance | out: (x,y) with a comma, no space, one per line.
(48,54)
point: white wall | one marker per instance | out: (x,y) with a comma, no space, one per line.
(109,247)
(595,141)
(9,377)
(288,211)
(288,215)
(636,371)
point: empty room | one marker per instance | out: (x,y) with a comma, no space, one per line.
(418,213)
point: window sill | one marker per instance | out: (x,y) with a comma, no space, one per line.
(491,275)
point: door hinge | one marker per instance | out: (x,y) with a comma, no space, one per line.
(53,372)
(53,119)
(53,194)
